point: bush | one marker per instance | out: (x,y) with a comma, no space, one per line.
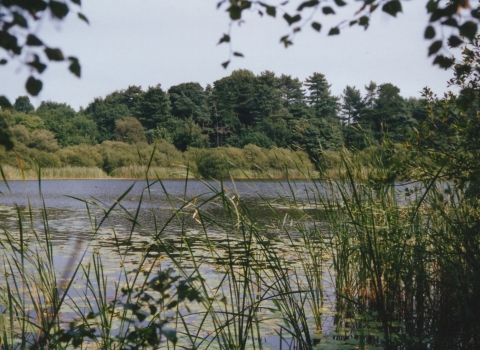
(45,159)
(81,156)
(117,154)
(43,140)
(211,164)
(20,134)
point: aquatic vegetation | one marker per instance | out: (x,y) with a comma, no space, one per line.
(305,264)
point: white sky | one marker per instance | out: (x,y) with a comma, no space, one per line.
(168,42)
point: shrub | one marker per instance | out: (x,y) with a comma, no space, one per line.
(211,164)
(117,154)
(129,130)
(81,156)
(45,159)
(20,134)
(43,140)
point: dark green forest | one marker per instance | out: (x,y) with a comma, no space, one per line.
(264,110)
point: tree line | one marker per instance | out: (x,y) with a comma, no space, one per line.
(243,108)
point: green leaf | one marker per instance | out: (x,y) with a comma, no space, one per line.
(74,66)
(340,3)
(9,42)
(83,18)
(238,54)
(310,3)
(443,62)
(54,54)
(327,10)
(291,19)
(476,13)
(317,26)
(454,41)
(469,30)
(334,31)
(225,64)
(271,11)
(32,40)
(392,7)
(39,66)
(429,33)
(364,21)
(58,9)
(452,22)
(4,102)
(432,6)
(437,45)
(224,39)
(286,41)
(20,20)
(33,86)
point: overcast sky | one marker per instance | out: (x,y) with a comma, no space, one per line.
(168,42)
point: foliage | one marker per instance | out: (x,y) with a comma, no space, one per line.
(456,17)
(129,130)
(20,41)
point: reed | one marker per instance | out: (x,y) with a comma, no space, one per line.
(370,264)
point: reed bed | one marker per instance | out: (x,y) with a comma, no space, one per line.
(355,264)
(12,173)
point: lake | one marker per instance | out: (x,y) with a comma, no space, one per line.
(121,223)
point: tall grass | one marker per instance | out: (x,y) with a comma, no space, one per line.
(370,264)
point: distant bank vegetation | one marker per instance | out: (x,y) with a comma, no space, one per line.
(245,125)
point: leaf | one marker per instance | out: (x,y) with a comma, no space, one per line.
(54,54)
(20,20)
(39,66)
(432,6)
(327,10)
(33,86)
(225,64)
(334,31)
(286,41)
(78,2)
(469,30)
(75,67)
(437,45)
(310,3)
(443,62)
(340,3)
(9,42)
(83,17)
(364,21)
(224,39)
(4,102)
(238,54)
(317,26)
(476,13)
(3,61)
(171,335)
(235,12)
(291,19)
(32,40)
(454,41)
(271,11)
(392,7)
(58,9)
(429,33)
(452,22)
